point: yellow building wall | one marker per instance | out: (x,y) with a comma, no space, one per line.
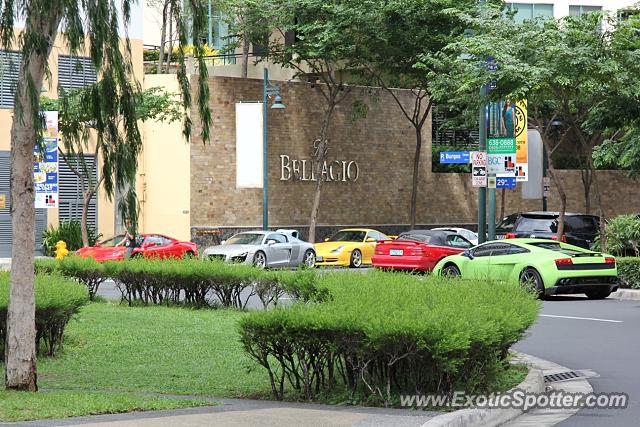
(106,208)
(164,180)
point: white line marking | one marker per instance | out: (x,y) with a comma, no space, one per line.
(581,318)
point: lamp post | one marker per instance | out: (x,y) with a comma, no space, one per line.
(268,91)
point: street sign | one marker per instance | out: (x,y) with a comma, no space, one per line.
(454,157)
(505,182)
(491,182)
(501,153)
(478,169)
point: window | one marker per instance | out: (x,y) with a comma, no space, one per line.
(154,240)
(485,250)
(508,223)
(377,235)
(424,238)
(498,249)
(75,72)
(515,250)
(348,236)
(528,11)
(70,191)
(279,238)
(581,10)
(9,70)
(458,241)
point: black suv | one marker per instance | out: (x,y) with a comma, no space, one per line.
(579,229)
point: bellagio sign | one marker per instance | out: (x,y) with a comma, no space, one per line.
(304,170)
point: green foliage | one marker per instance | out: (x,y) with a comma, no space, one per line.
(57,300)
(383,334)
(629,272)
(68,231)
(623,235)
(18,406)
(191,281)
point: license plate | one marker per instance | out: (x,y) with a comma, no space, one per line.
(319,259)
(396,252)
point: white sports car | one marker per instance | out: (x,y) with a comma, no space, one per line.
(280,248)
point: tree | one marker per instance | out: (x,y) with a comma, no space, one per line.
(560,66)
(100,20)
(317,39)
(403,46)
(77,118)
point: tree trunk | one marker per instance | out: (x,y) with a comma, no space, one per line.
(163,37)
(20,351)
(558,184)
(245,57)
(416,171)
(319,157)
(603,234)
(170,38)
(503,198)
(83,219)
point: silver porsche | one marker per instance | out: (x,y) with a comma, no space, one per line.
(280,248)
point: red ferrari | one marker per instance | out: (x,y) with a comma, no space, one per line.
(149,246)
(418,250)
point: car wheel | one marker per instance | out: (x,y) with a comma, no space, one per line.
(309,259)
(451,270)
(189,255)
(356,259)
(260,259)
(530,280)
(598,293)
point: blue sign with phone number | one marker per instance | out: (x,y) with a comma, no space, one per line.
(506,182)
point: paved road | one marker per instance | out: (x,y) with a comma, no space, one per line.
(612,349)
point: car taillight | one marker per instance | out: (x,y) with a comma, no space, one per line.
(379,250)
(609,260)
(563,238)
(510,236)
(418,251)
(564,261)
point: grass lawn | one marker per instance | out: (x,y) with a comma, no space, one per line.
(18,406)
(154,349)
(114,354)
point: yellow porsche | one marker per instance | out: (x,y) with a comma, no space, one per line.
(350,247)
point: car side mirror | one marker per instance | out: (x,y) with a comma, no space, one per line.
(326,239)
(467,253)
(271,242)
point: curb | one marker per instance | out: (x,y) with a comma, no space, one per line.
(533,383)
(626,294)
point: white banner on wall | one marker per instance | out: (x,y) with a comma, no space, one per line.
(249,145)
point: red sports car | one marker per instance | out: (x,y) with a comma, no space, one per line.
(149,246)
(418,250)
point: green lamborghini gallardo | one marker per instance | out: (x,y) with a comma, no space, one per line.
(546,267)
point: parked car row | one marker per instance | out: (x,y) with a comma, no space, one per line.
(531,256)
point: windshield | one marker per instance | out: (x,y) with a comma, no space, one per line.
(508,223)
(245,239)
(112,241)
(556,247)
(538,224)
(348,236)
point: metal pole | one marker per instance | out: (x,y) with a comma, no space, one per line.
(265,139)
(544,175)
(210,38)
(482,191)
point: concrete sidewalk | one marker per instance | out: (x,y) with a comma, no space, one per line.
(240,412)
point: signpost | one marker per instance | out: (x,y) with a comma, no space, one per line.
(479,169)
(455,157)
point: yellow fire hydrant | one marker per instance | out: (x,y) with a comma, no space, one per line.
(61,249)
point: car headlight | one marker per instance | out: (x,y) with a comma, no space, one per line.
(337,250)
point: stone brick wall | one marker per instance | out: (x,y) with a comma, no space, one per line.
(383,145)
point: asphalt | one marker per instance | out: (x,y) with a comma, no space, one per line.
(611,349)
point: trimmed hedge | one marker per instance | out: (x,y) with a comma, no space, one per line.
(629,272)
(191,282)
(384,334)
(57,300)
